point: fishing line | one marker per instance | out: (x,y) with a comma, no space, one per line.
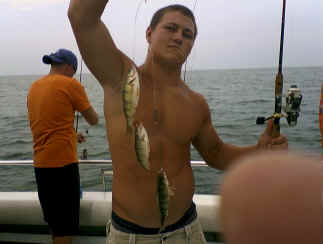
(134,27)
(84,151)
(195,3)
(185,65)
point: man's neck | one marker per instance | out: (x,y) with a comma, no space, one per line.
(164,74)
(57,71)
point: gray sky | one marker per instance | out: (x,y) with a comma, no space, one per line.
(232,33)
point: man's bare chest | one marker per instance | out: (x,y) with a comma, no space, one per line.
(171,115)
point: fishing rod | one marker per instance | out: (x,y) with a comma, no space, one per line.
(294,96)
(279,78)
(84,151)
(77,112)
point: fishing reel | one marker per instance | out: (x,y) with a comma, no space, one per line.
(84,154)
(293,103)
(292,108)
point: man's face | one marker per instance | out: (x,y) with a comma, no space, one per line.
(173,37)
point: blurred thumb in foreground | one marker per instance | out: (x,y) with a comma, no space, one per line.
(273,197)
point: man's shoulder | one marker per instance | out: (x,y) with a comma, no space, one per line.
(41,79)
(66,81)
(195,95)
(41,82)
(62,82)
(66,78)
(56,78)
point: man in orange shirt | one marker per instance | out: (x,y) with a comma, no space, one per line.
(52,102)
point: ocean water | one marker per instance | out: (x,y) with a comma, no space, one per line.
(235,97)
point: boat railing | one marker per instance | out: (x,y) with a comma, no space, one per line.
(81,162)
(105,172)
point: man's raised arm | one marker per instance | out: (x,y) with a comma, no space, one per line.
(94,40)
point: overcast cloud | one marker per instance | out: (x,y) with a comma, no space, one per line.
(232,33)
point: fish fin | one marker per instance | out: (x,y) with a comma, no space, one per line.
(171,191)
(143,165)
(148,166)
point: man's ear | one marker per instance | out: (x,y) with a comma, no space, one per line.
(148,35)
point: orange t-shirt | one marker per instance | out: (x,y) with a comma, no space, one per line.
(51,104)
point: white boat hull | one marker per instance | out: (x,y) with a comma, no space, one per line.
(22,211)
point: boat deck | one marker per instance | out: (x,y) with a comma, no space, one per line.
(10,238)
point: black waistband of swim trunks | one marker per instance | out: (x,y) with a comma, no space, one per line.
(128,227)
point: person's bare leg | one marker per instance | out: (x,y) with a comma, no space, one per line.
(63,240)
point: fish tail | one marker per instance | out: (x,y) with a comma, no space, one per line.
(163,224)
(147,165)
(163,197)
(161,228)
(129,129)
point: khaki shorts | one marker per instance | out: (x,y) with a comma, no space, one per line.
(190,234)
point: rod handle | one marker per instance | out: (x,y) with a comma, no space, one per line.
(276,128)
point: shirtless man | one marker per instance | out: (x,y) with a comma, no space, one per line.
(174,116)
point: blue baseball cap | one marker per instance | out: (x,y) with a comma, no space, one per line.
(62,56)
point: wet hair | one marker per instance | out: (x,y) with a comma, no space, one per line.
(172,8)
